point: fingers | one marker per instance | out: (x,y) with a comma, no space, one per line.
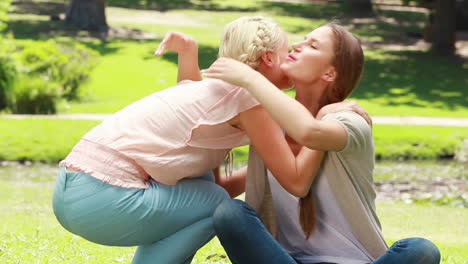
(210,74)
(163,45)
(365,115)
(368,119)
(160,50)
(355,107)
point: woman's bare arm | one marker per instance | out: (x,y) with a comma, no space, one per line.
(234,183)
(295,174)
(298,122)
(187,49)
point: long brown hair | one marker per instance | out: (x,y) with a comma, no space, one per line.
(348,60)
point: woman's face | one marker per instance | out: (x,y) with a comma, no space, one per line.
(310,59)
(277,75)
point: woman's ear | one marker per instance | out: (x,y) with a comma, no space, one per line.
(330,75)
(268,59)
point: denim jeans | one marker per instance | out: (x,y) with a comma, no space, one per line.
(246,240)
(168,223)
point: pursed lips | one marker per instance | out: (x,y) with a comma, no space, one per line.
(291,57)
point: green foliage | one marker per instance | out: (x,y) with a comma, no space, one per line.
(68,65)
(7,67)
(417,142)
(35,75)
(34,95)
(7,77)
(4,7)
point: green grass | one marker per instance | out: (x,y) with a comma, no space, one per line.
(50,140)
(30,233)
(395,82)
(407,83)
(417,142)
(40,140)
(445,226)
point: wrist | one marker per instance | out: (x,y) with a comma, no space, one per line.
(190,47)
(253,79)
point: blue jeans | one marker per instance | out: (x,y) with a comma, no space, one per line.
(246,240)
(168,223)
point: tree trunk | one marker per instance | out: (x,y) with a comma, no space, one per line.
(88,14)
(361,8)
(443,29)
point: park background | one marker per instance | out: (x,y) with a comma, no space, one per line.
(65,64)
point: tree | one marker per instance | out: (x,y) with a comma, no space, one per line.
(361,7)
(88,15)
(440,29)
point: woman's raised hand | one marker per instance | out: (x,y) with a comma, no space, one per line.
(231,71)
(177,42)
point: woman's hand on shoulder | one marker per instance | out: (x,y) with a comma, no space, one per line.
(177,42)
(231,71)
(348,105)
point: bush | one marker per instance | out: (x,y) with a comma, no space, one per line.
(4,6)
(34,96)
(39,74)
(7,68)
(66,65)
(7,75)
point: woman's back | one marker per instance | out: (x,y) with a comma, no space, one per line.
(172,134)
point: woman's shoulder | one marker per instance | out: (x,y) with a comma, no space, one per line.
(359,132)
(349,118)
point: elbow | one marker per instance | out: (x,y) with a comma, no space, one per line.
(306,135)
(298,189)
(302,192)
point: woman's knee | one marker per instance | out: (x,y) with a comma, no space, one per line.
(229,213)
(425,250)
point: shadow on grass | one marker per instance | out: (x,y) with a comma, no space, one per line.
(164,5)
(412,72)
(103,44)
(327,11)
(415,78)
(40,8)
(207,55)
(403,21)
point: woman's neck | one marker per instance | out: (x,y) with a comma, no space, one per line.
(311,96)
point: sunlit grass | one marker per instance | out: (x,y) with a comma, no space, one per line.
(30,233)
(446,227)
(50,140)
(395,82)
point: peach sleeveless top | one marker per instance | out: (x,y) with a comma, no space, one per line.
(176,133)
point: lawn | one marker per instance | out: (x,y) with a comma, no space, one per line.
(50,140)
(395,82)
(30,233)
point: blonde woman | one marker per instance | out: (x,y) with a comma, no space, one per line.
(144,178)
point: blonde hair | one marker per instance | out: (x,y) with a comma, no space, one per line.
(246,39)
